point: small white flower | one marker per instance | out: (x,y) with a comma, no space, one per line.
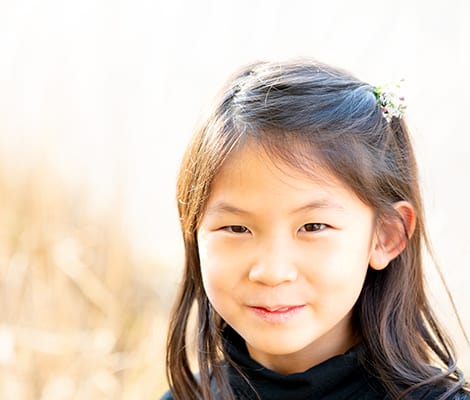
(391,100)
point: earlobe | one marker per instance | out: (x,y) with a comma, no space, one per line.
(378,261)
(392,234)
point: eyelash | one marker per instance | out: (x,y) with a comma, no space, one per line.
(317,227)
(240,229)
(230,228)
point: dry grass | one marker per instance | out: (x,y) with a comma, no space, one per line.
(78,318)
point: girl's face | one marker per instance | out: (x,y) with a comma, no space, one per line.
(283,259)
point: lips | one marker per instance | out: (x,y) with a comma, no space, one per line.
(276,308)
(277,314)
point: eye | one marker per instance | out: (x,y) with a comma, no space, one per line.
(313,227)
(236,229)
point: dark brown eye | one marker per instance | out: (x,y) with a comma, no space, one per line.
(313,227)
(237,228)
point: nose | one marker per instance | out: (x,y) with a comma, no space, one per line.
(274,264)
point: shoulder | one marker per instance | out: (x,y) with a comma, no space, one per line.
(167,396)
(462,396)
(438,394)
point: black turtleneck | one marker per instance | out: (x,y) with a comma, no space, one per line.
(340,378)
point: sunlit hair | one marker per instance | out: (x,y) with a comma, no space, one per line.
(310,115)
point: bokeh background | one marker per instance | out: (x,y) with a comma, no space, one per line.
(98,99)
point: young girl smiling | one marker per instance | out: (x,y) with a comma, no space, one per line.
(303,227)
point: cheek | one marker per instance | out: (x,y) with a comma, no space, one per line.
(221,267)
(219,253)
(336,285)
(339,268)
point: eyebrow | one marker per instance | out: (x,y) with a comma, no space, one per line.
(222,207)
(315,205)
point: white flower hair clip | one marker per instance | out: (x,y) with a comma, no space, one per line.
(391,100)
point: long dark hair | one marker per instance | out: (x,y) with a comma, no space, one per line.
(300,110)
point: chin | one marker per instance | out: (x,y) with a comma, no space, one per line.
(277,346)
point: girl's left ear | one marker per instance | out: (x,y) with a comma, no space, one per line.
(392,234)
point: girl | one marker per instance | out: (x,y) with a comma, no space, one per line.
(303,227)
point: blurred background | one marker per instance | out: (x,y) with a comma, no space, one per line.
(98,99)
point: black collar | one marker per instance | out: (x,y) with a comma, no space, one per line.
(341,377)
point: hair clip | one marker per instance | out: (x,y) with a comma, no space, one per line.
(391,100)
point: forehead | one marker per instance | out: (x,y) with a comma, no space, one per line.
(253,170)
(290,159)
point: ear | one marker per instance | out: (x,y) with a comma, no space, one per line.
(392,234)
